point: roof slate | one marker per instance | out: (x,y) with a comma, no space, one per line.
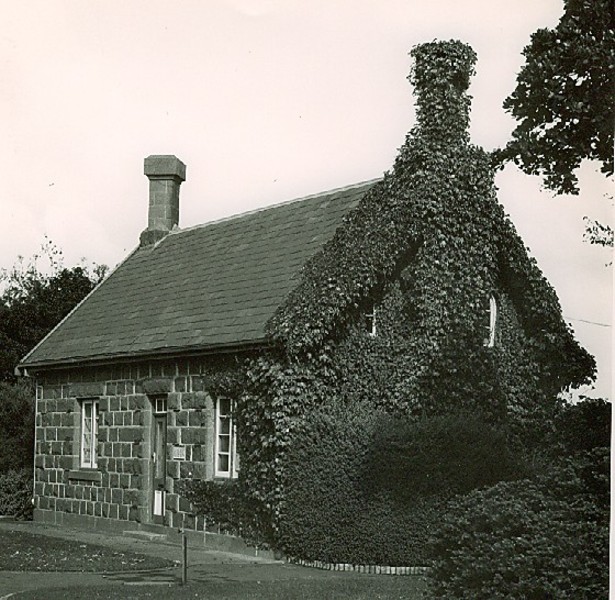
(200,288)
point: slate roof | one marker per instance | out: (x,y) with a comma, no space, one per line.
(202,288)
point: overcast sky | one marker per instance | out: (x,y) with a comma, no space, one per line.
(265,101)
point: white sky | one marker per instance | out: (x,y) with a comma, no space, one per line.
(264,100)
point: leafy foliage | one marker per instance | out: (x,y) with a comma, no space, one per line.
(16,426)
(228,505)
(16,488)
(598,233)
(33,302)
(364,487)
(542,538)
(583,426)
(429,244)
(564,97)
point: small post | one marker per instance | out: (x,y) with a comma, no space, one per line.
(184,551)
(184,557)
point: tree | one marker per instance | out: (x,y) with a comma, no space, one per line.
(33,302)
(564,99)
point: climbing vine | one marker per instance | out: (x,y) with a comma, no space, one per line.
(428,244)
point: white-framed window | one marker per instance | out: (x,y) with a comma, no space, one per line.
(370,320)
(492,323)
(89,434)
(225,455)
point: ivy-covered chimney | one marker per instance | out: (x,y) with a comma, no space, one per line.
(441,76)
(165,174)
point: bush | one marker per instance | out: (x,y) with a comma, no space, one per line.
(228,505)
(441,455)
(16,493)
(529,539)
(16,426)
(363,487)
(583,426)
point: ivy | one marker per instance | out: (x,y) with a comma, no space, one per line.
(429,244)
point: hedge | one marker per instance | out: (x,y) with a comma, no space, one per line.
(530,539)
(363,487)
(16,493)
(228,505)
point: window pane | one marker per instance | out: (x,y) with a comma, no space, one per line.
(224,443)
(224,406)
(223,462)
(225,426)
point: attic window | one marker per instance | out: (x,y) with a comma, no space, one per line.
(491,325)
(370,320)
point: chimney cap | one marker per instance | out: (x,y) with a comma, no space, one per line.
(163,166)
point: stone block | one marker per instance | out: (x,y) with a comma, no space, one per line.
(157,385)
(114,403)
(90,389)
(198,400)
(123,512)
(131,434)
(65,433)
(52,392)
(65,462)
(181,384)
(138,450)
(172,435)
(198,453)
(198,383)
(132,466)
(173,469)
(131,497)
(68,419)
(194,435)
(137,402)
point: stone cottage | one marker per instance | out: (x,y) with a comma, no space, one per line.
(416,283)
(123,410)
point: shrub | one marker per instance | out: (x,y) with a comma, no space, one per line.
(362,487)
(529,539)
(441,455)
(16,493)
(16,426)
(584,426)
(228,505)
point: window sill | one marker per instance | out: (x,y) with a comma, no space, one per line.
(85,475)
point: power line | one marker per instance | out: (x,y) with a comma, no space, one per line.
(589,322)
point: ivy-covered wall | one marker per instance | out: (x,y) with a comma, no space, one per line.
(430,244)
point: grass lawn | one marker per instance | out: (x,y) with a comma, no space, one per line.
(357,587)
(22,551)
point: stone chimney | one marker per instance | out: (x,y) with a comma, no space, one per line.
(165,174)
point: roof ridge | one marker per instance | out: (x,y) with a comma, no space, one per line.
(271,206)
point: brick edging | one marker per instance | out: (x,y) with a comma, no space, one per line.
(372,569)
